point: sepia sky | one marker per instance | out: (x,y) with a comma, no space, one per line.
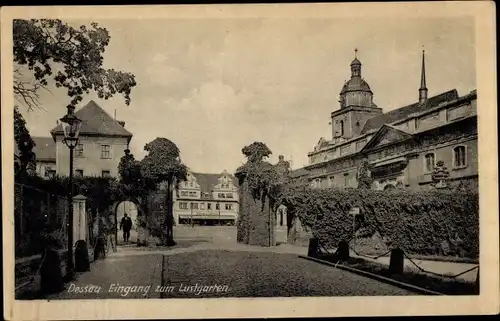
(213,86)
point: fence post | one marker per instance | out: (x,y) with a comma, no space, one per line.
(396,264)
(313,247)
(343,251)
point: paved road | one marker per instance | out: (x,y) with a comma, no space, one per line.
(219,273)
(117,277)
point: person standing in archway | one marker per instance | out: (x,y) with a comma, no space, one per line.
(126,225)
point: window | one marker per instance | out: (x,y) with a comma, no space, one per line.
(331,181)
(229,195)
(194,206)
(341,128)
(459,157)
(217,206)
(209,206)
(79,150)
(346,179)
(79,173)
(183,205)
(202,206)
(49,172)
(229,207)
(106,173)
(281,218)
(192,194)
(105,151)
(221,195)
(184,193)
(430,162)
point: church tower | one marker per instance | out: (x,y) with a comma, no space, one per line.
(356,105)
(422,92)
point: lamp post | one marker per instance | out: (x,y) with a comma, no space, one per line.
(71,128)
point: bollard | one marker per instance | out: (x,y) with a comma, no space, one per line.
(396,264)
(99,248)
(51,278)
(313,247)
(343,251)
(82,261)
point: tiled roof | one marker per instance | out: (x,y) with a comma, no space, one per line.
(45,148)
(208,181)
(403,112)
(96,121)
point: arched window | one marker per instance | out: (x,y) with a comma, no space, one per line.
(341,128)
(281,217)
(459,156)
(430,162)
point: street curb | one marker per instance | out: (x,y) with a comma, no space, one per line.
(380,278)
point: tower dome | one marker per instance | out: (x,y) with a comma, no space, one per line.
(356,90)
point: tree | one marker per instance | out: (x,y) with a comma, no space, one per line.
(162,164)
(24,142)
(256,152)
(440,175)
(364,178)
(70,57)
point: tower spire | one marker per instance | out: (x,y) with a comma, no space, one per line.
(355,53)
(422,92)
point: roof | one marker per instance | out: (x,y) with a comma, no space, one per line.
(403,112)
(355,84)
(208,181)
(45,148)
(96,121)
(299,172)
(356,62)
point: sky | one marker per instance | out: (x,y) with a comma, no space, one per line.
(214,86)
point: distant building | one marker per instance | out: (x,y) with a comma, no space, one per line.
(402,146)
(207,199)
(102,141)
(45,152)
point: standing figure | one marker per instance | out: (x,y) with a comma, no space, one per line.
(126,225)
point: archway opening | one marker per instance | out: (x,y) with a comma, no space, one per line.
(389,187)
(129,208)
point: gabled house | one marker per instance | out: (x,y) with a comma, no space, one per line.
(102,142)
(207,199)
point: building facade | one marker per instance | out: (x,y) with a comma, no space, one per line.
(207,199)
(401,147)
(102,142)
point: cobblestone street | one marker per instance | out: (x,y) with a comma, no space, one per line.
(207,262)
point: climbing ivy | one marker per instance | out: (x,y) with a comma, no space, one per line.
(419,222)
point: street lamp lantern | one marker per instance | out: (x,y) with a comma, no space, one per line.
(71,128)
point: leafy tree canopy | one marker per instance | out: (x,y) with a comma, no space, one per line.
(163,163)
(24,142)
(74,53)
(264,179)
(256,152)
(134,183)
